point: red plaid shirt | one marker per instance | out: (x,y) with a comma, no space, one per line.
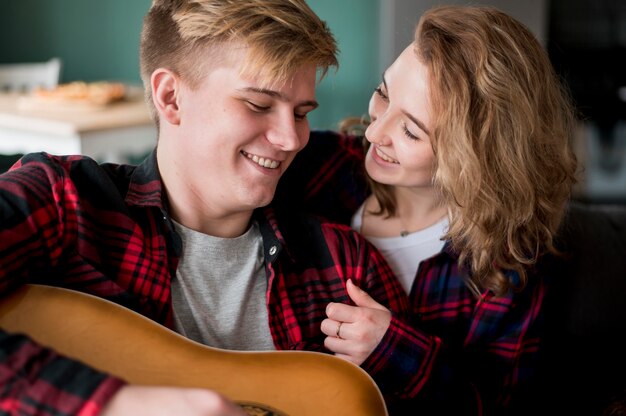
(460,353)
(104,230)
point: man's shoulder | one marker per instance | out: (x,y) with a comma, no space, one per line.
(76,173)
(72,164)
(43,159)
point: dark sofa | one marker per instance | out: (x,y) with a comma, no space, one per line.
(583,366)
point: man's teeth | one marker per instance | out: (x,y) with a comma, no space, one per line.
(385,157)
(261,161)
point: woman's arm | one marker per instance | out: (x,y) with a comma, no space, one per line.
(417,370)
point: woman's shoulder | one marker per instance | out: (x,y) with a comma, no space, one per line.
(326,178)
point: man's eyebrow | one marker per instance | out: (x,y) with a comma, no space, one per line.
(411,117)
(279,96)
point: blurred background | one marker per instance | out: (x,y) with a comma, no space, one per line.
(586,40)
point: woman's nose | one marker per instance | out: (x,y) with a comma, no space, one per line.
(378,130)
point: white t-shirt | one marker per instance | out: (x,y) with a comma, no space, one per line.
(404,254)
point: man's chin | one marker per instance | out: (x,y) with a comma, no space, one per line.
(258,199)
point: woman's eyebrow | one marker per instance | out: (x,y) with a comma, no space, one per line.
(414,119)
(417,122)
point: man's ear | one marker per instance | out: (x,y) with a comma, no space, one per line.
(165,89)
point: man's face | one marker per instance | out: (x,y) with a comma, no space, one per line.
(235,138)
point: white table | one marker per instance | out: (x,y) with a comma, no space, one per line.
(113,133)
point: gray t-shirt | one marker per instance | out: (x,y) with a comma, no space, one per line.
(218,294)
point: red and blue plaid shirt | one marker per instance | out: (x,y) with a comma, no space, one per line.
(460,353)
(105,230)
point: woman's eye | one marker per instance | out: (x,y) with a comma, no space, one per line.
(300,117)
(408,133)
(381,93)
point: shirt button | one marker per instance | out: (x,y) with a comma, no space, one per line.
(272,250)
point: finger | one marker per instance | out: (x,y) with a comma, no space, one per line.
(337,345)
(361,298)
(329,327)
(342,312)
(343,349)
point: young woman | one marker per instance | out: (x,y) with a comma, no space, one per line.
(470,170)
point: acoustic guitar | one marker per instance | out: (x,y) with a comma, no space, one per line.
(128,345)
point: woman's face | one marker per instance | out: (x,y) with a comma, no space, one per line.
(401,153)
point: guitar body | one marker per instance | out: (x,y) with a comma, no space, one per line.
(130,346)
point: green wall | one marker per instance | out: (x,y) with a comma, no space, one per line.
(96,39)
(99,39)
(347,92)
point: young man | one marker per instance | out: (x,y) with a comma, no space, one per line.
(186,238)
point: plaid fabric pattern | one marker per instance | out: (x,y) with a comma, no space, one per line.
(104,229)
(458,353)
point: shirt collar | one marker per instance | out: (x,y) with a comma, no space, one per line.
(273,238)
(145,187)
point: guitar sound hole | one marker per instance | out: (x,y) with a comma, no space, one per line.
(257,409)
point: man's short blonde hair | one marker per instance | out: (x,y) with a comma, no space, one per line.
(280,35)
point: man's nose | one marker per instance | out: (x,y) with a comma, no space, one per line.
(284,134)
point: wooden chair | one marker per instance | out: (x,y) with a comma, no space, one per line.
(24,77)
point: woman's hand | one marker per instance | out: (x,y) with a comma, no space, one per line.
(355,331)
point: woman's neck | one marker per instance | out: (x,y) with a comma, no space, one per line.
(415,210)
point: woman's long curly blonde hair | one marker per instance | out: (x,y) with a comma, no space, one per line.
(501,138)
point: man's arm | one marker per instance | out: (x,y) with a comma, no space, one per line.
(37,213)
(36,380)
